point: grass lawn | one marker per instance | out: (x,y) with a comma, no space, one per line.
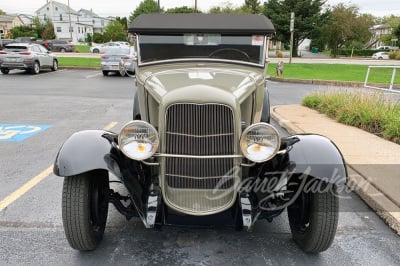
(79,62)
(339,72)
(82,49)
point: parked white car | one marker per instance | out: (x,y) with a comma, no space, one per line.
(106,47)
(380,55)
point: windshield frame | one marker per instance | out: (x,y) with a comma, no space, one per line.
(262,63)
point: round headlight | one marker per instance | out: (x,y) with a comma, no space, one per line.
(260,142)
(138,140)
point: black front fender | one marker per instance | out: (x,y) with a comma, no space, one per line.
(318,157)
(87,150)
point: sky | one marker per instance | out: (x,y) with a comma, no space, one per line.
(123,8)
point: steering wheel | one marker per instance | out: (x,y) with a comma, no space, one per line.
(230,50)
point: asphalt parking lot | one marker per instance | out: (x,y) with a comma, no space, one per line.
(41,111)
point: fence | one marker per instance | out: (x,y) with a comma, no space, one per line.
(391,80)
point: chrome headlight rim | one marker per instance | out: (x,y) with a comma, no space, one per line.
(251,127)
(134,123)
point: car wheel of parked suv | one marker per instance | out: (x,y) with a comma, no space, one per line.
(62,50)
(105,73)
(36,68)
(55,65)
(5,70)
(85,208)
(96,51)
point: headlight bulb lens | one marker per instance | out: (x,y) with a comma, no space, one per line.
(138,140)
(260,142)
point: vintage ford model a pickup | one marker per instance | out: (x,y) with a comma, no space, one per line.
(200,149)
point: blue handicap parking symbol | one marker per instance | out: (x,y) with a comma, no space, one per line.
(19,132)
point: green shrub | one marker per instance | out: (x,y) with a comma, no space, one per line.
(392,55)
(372,113)
(278,53)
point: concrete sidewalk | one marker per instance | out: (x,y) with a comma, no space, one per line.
(374,163)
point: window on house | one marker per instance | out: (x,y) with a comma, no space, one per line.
(48,8)
(61,18)
(44,17)
(79,29)
(102,22)
(56,8)
(93,21)
(58,29)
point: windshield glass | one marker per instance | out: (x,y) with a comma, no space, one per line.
(205,46)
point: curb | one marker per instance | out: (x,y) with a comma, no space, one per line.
(337,83)
(356,181)
(79,67)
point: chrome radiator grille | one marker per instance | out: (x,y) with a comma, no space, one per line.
(197,184)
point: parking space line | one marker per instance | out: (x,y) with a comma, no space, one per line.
(47,73)
(110,126)
(93,75)
(26,187)
(34,181)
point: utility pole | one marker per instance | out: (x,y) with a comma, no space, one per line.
(195,6)
(70,25)
(291,36)
(158,6)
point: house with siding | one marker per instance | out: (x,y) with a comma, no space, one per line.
(70,24)
(98,22)
(377,32)
(7,22)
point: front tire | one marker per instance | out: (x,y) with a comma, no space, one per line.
(5,71)
(105,73)
(85,209)
(313,218)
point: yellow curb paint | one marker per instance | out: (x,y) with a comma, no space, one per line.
(110,126)
(25,188)
(34,181)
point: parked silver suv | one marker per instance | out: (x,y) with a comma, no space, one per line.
(30,57)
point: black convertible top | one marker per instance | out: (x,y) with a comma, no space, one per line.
(201,23)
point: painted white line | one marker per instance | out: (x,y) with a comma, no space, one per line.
(48,73)
(94,75)
(4,203)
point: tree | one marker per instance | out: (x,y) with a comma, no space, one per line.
(182,9)
(123,21)
(48,32)
(396,32)
(98,38)
(145,7)
(23,31)
(2,12)
(346,28)
(309,17)
(226,8)
(252,6)
(114,31)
